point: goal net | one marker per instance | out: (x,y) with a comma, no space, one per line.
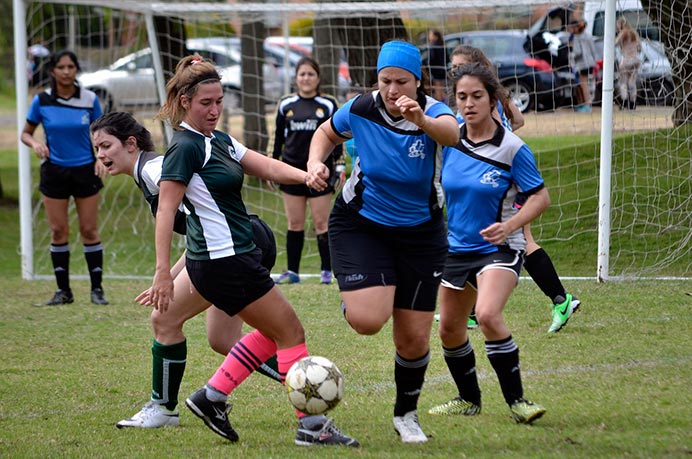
(127,49)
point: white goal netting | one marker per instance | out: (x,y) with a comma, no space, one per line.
(255,45)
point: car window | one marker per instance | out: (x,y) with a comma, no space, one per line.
(641,21)
(493,47)
(221,60)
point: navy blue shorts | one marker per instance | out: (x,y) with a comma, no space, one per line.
(463,268)
(60,182)
(231,283)
(366,254)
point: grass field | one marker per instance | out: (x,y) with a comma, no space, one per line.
(615,381)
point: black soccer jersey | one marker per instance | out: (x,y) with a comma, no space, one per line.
(297,119)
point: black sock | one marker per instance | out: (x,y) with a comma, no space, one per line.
(94,258)
(504,357)
(409,376)
(294,249)
(540,267)
(323,247)
(461,362)
(60,255)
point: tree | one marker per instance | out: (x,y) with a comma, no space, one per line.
(675,19)
(360,38)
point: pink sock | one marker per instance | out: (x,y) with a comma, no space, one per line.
(244,358)
(286,358)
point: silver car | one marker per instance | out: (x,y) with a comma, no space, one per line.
(129,83)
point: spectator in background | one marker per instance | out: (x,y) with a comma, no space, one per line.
(68,168)
(582,58)
(437,63)
(628,63)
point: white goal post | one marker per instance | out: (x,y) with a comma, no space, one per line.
(619,180)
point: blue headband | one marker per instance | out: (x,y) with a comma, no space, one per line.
(399,54)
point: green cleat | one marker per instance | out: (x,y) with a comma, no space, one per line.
(473,322)
(562,311)
(456,406)
(525,412)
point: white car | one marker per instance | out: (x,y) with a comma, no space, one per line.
(129,83)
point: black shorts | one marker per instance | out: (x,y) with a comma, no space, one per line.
(366,254)
(304,190)
(60,182)
(463,268)
(231,283)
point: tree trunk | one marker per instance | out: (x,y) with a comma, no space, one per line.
(675,20)
(360,38)
(252,80)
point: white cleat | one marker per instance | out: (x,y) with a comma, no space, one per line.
(408,428)
(151,416)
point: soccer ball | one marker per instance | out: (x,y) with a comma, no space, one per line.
(314,385)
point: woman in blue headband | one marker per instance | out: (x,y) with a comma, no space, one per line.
(386,230)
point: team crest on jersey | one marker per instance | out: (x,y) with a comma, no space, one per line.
(417,150)
(231,151)
(319,112)
(86,119)
(289,114)
(491,178)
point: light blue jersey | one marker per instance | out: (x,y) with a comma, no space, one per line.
(480,183)
(396,179)
(66,124)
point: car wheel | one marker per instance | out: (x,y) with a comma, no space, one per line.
(105,100)
(520,94)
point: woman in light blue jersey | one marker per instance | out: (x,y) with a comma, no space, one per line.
(68,168)
(481,176)
(386,230)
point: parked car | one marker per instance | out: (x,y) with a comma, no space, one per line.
(129,83)
(531,82)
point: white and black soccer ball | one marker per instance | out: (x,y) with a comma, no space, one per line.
(314,385)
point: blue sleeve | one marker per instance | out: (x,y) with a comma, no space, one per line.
(341,121)
(525,172)
(96,111)
(438,109)
(34,114)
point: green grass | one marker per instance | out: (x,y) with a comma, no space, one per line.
(615,381)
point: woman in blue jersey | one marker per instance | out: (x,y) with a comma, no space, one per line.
(68,168)
(386,230)
(204,169)
(297,118)
(481,176)
(125,147)
(537,262)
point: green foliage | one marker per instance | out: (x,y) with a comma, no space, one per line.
(301,27)
(611,386)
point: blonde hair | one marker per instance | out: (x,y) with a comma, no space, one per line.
(190,72)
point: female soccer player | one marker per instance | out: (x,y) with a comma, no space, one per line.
(68,168)
(386,230)
(204,169)
(297,117)
(125,147)
(537,262)
(481,176)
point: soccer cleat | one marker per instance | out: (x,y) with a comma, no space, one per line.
(326,277)
(473,322)
(408,428)
(525,412)
(562,311)
(60,297)
(151,416)
(214,414)
(456,406)
(98,297)
(322,433)
(288,277)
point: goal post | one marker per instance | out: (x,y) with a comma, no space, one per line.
(619,180)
